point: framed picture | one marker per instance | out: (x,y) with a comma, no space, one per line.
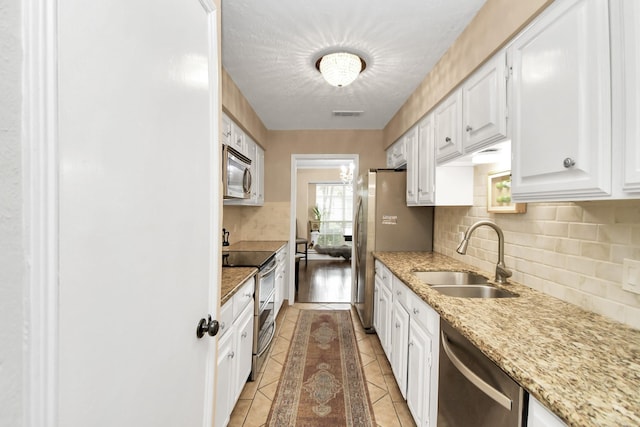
(499,194)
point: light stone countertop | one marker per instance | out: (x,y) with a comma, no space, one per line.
(582,366)
(232,278)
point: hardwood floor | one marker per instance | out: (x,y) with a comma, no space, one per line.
(324,281)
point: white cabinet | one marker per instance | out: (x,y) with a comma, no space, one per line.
(539,416)
(400,335)
(422,368)
(281,278)
(626,86)
(382,307)
(235,348)
(258,185)
(448,127)
(397,154)
(560,106)
(227,130)
(238,139)
(484,100)
(413,165)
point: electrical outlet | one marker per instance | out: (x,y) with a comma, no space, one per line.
(631,275)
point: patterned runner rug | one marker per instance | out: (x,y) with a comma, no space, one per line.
(322,383)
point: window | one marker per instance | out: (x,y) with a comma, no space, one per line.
(335,202)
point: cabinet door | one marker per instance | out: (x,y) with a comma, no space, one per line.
(259,177)
(539,416)
(385,320)
(419,374)
(484,100)
(238,139)
(226,130)
(243,351)
(397,154)
(426,162)
(561,104)
(413,165)
(448,133)
(399,346)
(376,304)
(629,11)
(224,384)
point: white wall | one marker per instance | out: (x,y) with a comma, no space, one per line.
(12,263)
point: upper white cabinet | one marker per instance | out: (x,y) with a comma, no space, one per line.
(227,130)
(625,56)
(413,164)
(448,127)
(560,105)
(484,100)
(259,178)
(397,154)
(426,162)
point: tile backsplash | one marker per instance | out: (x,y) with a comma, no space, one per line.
(572,251)
(268,222)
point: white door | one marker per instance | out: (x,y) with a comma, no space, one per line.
(138,150)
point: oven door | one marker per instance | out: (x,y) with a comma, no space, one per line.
(236,174)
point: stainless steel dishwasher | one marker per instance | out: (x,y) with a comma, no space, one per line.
(474,391)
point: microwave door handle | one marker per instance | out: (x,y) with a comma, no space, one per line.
(246,181)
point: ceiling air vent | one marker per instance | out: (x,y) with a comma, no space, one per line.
(346,113)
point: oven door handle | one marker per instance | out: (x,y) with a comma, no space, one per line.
(269,271)
(273,334)
(473,377)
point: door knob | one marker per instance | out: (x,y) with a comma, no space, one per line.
(568,162)
(207,326)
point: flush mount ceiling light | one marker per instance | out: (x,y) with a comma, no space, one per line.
(341,68)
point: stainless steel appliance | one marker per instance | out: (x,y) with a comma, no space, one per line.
(264,322)
(236,174)
(472,390)
(383,222)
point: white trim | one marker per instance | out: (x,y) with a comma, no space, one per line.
(40,161)
(305,158)
(215,206)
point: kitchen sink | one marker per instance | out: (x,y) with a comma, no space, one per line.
(473,291)
(436,278)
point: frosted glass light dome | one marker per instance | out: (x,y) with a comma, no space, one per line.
(340,69)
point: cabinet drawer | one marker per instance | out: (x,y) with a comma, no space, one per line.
(243,297)
(383,274)
(400,292)
(423,314)
(226,317)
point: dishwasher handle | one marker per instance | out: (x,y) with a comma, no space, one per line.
(482,385)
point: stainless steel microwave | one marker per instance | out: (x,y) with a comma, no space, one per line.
(236,174)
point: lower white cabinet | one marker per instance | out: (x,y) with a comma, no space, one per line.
(281,278)
(234,351)
(399,343)
(539,416)
(412,334)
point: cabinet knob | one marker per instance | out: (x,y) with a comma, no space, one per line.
(397,325)
(231,355)
(569,162)
(398,293)
(447,139)
(416,311)
(244,334)
(469,128)
(410,192)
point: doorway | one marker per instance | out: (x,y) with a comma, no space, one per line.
(322,188)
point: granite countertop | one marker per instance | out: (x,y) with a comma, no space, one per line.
(582,366)
(256,245)
(232,278)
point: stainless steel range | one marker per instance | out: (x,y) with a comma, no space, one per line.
(264,322)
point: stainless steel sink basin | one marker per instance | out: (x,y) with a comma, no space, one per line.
(436,278)
(474,291)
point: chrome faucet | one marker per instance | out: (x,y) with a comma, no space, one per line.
(502,273)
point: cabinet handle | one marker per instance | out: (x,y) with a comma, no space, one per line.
(447,139)
(397,325)
(411,344)
(410,192)
(469,128)
(416,311)
(569,162)
(244,334)
(398,293)
(231,355)
(248,295)
(227,133)
(419,190)
(223,325)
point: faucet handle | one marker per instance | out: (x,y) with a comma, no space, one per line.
(502,273)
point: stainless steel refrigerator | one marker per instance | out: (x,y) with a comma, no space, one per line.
(383,222)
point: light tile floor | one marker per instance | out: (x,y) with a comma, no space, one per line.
(389,408)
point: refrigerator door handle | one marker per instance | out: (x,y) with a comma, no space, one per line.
(356,227)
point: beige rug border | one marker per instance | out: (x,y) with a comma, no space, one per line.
(366,388)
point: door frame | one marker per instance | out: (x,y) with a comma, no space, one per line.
(296,159)
(40,156)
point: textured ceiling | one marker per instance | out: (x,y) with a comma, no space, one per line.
(269,48)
